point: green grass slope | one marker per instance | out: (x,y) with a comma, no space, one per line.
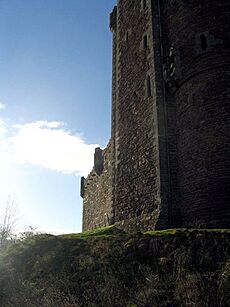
(108,267)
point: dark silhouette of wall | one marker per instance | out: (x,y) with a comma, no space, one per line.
(199,32)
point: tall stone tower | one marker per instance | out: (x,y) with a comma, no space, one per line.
(166,164)
(196,42)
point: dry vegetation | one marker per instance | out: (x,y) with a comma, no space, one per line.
(110,268)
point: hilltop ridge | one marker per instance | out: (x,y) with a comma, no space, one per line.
(107,267)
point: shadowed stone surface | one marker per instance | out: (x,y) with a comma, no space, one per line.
(166,164)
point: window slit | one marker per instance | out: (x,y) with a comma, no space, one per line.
(148,89)
(203,41)
(145,42)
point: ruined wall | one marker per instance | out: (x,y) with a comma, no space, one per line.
(198,32)
(97,195)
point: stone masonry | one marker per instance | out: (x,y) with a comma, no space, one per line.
(166,164)
(97,189)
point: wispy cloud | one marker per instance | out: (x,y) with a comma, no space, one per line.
(49,145)
(2,106)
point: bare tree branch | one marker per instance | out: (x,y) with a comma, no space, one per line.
(9,216)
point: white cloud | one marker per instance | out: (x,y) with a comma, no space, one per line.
(3,128)
(2,106)
(49,145)
(42,124)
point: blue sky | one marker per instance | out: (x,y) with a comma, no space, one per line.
(55,104)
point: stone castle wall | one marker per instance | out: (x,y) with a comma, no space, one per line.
(137,173)
(97,193)
(166,164)
(199,33)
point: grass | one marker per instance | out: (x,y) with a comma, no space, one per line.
(108,267)
(97,232)
(184,230)
(114,231)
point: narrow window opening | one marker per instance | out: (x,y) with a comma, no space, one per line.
(203,41)
(144,4)
(126,36)
(148,87)
(193,99)
(145,42)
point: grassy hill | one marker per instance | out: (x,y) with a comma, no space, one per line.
(107,267)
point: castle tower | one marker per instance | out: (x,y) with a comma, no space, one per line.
(166,164)
(197,57)
(142,178)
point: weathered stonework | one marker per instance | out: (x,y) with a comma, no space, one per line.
(166,164)
(97,210)
(199,31)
